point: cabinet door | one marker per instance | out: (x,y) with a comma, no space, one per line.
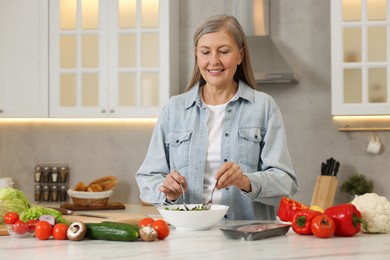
(113,59)
(360,57)
(24,58)
(78,77)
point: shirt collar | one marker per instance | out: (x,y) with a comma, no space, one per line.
(193,95)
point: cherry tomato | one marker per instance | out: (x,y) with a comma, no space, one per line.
(323,226)
(20,227)
(43,230)
(162,228)
(11,217)
(31,225)
(59,231)
(145,222)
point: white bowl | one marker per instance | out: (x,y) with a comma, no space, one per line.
(85,198)
(193,219)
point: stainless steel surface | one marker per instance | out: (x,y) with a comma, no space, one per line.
(268,64)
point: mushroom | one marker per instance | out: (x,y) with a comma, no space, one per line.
(76,231)
(148,233)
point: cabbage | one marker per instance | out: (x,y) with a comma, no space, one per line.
(12,200)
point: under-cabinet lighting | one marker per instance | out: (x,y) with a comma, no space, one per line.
(80,120)
(360,118)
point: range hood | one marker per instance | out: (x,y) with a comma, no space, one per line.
(268,64)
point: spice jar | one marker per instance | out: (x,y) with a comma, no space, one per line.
(63,195)
(37,192)
(38,174)
(46,173)
(64,171)
(46,193)
(54,193)
(54,174)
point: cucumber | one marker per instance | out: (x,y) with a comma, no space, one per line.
(113,231)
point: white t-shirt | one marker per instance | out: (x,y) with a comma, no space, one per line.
(213,157)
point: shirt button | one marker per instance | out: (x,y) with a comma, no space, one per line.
(229,110)
(177,141)
(225,160)
(255,136)
(226,134)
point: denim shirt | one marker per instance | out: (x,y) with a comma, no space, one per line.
(253,137)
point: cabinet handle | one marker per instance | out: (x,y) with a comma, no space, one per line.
(1,110)
(112,111)
(103,111)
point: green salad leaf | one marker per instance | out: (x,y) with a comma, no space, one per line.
(36,211)
(12,200)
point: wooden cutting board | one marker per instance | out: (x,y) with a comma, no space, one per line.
(110,205)
(3,230)
(130,218)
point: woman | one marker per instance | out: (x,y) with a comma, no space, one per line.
(221,132)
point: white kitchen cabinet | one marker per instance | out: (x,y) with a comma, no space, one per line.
(112,58)
(360,57)
(23,58)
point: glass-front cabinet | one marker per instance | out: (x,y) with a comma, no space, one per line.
(360,57)
(112,58)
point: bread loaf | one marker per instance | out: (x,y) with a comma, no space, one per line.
(101,184)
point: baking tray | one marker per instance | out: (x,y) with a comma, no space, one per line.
(255,231)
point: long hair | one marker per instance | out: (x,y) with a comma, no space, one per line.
(230,24)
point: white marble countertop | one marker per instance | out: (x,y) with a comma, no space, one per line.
(207,244)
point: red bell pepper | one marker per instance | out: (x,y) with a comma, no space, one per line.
(347,218)
(301,222)
(288,207)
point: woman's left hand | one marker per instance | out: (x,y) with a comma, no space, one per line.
(231,174)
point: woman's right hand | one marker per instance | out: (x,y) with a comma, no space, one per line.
(171,185)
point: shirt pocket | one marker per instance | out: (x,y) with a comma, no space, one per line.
(179,146)
(250,146)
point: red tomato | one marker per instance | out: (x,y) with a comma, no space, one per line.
(323,226)
(20,227)
(145,221)
(43,230)
(162,228)
(11,217)
(31,225)
(59,231)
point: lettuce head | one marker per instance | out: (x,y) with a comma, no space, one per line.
(12,200)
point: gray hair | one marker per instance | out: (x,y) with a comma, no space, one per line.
(231,25)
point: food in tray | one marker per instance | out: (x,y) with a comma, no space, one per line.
(258,227)
(256,231)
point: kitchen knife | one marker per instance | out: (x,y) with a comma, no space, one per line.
(336,169)
(323,168)
(71,212)
(331,166)
(327,167)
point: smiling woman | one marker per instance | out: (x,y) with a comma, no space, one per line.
(210,134)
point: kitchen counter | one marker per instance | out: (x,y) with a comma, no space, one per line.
(207,244)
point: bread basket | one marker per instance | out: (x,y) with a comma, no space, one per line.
(84,198)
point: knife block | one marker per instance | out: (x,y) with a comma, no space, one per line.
(324,191)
